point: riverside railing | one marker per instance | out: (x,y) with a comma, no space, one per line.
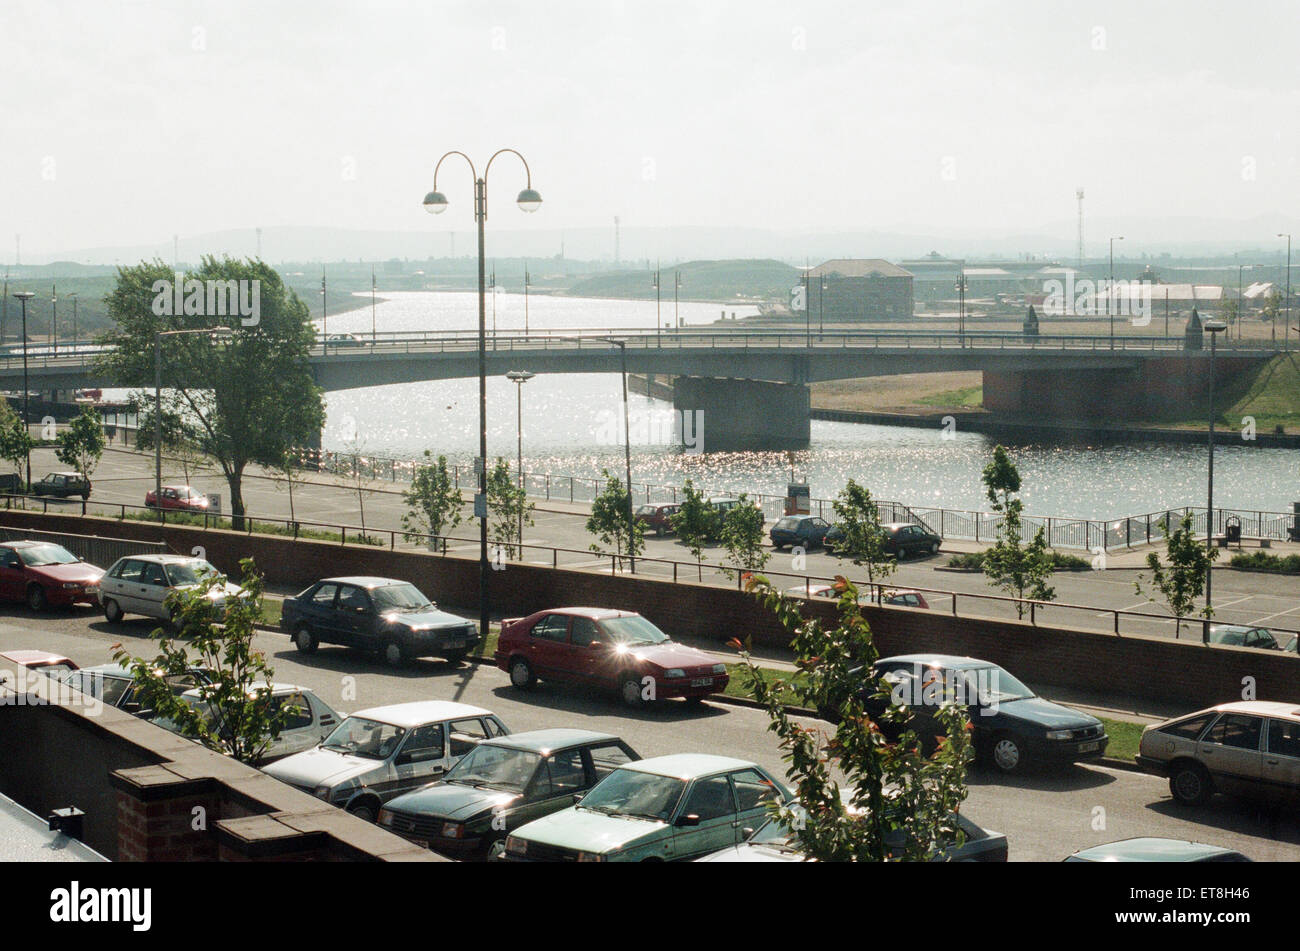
(679,572)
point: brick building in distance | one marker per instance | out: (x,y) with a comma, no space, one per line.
(858,289)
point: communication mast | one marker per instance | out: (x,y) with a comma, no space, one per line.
(1078,193)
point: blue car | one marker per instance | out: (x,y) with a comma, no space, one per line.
(803,531)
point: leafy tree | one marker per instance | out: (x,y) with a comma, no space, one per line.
(238,716)
(1231,310)
(609,520)
(1182,581)
(15,440)
(434,501)
(694,522)
(862,538)
(1020,570)
(1271,307)
(904,802)
(180,437)
(81,445)
(742,534)
(251,397)
(508,508)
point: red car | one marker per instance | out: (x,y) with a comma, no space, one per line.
(53,664)
(615,650)
(178,497)
(46,575)
(657,518)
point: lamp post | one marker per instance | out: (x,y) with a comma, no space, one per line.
(821,306)
(493,285)
(25,296)
(677,285)
(961,302)
(372,305)
(1286,330)
(1213,328)
(1110,290)
(74,320)
(807,309)
(654,282)
(435,202)
(214,332)
(627,449)
(519,378)
(54,318)
(527,281)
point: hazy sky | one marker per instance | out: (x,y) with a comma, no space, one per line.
(126,121)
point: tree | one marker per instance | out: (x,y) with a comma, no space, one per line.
(1022,571)
(742,534)
(508,508)
(1271,307)
(694,522)
(238,715)
(904,802)
(81,445)
(180,438)
(862,539)
(251,397)
(15,440)
(1231,310)
(609,520)
(433,500)
(1183,580)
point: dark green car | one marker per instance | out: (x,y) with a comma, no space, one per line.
(62,485)
(502,784)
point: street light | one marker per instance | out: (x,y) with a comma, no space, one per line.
(435,203)
(821,307)
(677,285)
(1213,328)
(527,281)
(74,320)
(54,318)
(1110,290)
(627,449)
(1286,329)
(215,333)
(519,378)
(25,296)
(654,282)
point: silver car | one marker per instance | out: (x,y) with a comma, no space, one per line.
(308,719)
(380,753)
(140,584)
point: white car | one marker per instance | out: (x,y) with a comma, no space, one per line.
(380,753)
(140,584)
(308,721)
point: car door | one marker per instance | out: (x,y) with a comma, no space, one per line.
(548,647)
(753,792)
(318,611)
(552,788)
(465,734)
(422,759)
(1230,750)
(354,617)
(589,662)
(1261,638)
(1281,767)
(13,582)
(302,726)
(123,585)
(152,590)
(712,802)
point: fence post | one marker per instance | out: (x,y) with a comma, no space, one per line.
(1033,620)
(1116,623)
(954,604)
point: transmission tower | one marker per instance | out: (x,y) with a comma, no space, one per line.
(1078,193)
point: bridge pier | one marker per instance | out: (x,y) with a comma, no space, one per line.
(740,415)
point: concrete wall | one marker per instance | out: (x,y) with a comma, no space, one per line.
(746,414)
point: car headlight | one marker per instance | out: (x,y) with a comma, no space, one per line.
(385,817)
(674,673)
(719,668)
(452,830)
(590,857)
(516,845)
(1059,734)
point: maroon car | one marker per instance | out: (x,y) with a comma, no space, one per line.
(657,518)
(180,497)
(614,650)
(46,575)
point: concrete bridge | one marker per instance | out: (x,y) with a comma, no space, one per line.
(752,385)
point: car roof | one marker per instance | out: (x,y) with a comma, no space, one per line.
(364,581)
(1151,849)
(596,614)
(63,472)
(1270,708)
(277,690)
(27,658)
(947,661)
(544,741)
(27,543)
(686,765)
(162,559)
(419,712)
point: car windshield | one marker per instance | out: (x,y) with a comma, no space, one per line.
(787,523)
(399,597)
(646,509)
(630,792)
(189,572)
(46,554)
(497,767)
(632,630)
(995,685)
(775,832)
(361,737)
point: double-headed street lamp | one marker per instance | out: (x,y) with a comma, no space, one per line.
(435,202)
(1213,328)
(1286,329)
(25,296)
(1110,290)
(519,378)
(215,333)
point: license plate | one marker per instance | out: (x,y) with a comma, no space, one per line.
(1089,747)
(702,682)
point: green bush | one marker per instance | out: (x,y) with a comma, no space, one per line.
(1263,561)
(261,528)
(974,561)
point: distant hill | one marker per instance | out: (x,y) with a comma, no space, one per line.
(700,280)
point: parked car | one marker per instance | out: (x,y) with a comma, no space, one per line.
(1241,635)
(308,718)
(657,518)
(662,809)
(901,539)
(115,685)
(1248,748)
(1148,849)
(381,614)
(774,841)
(63,485)
(607,649)
(502,784)
(53,665)
(46,575)
(344,340)
(805,531)
(180,497)
(1011,726)
(377,754)
(899,597)
(140,584)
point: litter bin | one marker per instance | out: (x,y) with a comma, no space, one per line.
(1232,530)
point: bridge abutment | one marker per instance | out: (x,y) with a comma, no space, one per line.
(739,415)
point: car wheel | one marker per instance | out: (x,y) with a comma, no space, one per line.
(393,655)
(1190,784)
(455,657)
(934,548)
(36,599)
(521,674)
(364,811)
(630,690)
(85,496)
(1007,753)
(659,532)
(495,850)
(305,640)
(112,610)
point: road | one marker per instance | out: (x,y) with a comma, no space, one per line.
(1045,816)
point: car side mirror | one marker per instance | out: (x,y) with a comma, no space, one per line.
(577,797)
(131,706)
(690,819)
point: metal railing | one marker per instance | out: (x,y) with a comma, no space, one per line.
(95,549)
